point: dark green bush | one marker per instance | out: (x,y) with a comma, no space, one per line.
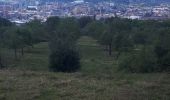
(64,61)
(164,63)
(163,55)
(64,56)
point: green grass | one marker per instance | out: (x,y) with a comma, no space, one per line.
(98,79)
(93,58)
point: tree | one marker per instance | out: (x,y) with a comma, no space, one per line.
(95,29)
(117,35)
(37,30)
(13,40)
(142,61)
(140,38)
(64,56)
(107,39)
(51,25)
(25,38)
(4,25)
(69,26)
(4,22)
(164,63)
(2,34)
(162,48)
(84,21)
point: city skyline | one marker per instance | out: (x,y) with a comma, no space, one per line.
(26,10)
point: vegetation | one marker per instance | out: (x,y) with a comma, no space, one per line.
(120,37)
(108,59)
(133,39)
(64,56)
(97,79)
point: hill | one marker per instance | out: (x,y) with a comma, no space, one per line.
(97,80)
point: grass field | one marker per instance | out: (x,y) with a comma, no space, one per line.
(98,79)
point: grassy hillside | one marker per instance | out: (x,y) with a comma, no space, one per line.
(98,79)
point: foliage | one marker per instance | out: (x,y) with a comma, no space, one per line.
(84,21)
(94,29)
(141,61)
(145,41)
(4,22)
(37,31)
(4,25)
(66,60)
(64,56)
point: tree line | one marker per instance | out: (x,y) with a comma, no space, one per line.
(17,38)
(137,45)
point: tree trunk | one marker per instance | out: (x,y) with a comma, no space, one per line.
(15,53)
(118,54)
(110,49)
(32,46)
(1,65)
(22,51)
(105,48)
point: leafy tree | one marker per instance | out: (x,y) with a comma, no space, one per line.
(117,35)
(4,25)
(142,61)
(69,26)
(52,25)
(84,21)
(25,38)
(95,29)
(140,38)
(64,56)
(162,48)
(12,40)
(107,39)
(165,61)
(37,30)
(2,33)
(4,22)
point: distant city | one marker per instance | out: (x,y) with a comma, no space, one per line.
(22,11)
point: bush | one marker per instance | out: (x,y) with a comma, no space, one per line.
(163,56)
(164,63)
(64,61)
(141,61)
(1,64)
(64,57)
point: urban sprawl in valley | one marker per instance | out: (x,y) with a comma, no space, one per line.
(22,11)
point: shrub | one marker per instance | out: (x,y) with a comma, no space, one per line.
(164,63)
(64,57)
(64,61)
(141,61)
